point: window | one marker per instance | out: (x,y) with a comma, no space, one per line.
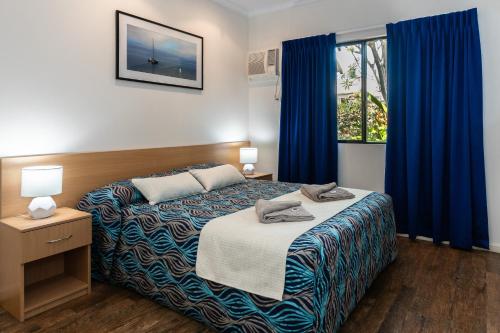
(362,91)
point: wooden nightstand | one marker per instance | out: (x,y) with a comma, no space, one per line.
(260,176)
(45,262)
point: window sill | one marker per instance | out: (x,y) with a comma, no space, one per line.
(362,143)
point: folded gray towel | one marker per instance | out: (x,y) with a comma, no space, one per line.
(313,191)
(281,211)
(327,192)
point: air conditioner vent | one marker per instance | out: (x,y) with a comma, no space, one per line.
(271,57)
(263,65)
(256,64)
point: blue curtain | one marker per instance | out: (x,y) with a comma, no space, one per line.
(435,159)
(308,128)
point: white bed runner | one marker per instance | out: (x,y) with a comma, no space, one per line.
(238,251)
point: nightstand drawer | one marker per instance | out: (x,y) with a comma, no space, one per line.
(45,242)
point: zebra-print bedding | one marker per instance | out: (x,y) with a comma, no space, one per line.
(152,249)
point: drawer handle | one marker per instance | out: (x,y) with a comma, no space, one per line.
(59,239)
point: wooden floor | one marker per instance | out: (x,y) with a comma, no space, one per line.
(427,289)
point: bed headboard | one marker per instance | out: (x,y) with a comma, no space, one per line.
(84,172)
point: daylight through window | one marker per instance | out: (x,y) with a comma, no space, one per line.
(362,91)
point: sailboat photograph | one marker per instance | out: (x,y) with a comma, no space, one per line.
(151,52)
(172,57)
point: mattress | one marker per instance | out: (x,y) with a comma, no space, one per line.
(152,250)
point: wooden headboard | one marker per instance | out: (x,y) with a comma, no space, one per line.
(84,172)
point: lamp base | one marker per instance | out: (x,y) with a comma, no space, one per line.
(42,207)
(248,169)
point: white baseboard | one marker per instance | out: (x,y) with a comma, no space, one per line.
(494,247)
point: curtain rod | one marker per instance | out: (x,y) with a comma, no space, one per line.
(346,32)
(373,27)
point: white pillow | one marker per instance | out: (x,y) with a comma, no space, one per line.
(157,189)
(221,176)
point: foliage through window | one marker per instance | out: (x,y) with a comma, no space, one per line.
(362,91)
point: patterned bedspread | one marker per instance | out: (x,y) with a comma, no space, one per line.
(152,249)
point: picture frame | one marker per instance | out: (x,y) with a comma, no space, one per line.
(151,52)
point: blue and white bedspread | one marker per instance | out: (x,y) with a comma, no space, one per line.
(152,249)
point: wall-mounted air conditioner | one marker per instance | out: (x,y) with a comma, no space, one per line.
(263,66)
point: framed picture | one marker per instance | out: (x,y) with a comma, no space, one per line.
(151,52)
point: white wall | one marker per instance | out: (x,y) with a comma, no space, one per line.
(363,165)
(58,91)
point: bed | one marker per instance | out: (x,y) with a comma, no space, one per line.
(152,250)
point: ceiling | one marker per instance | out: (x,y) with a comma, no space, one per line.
(256,7)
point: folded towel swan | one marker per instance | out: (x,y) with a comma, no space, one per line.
(326,192)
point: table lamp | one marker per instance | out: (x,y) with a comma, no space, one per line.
(248,156)
(39,183)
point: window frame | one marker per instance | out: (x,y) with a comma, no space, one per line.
(364,92)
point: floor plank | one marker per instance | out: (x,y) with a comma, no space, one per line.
(427,289)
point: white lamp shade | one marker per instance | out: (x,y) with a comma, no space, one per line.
(248,155)
(41,181)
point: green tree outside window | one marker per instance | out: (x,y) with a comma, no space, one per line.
(362,91)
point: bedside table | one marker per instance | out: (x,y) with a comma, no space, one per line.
(260,176)
(45,262)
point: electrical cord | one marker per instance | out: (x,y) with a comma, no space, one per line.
(276,89)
